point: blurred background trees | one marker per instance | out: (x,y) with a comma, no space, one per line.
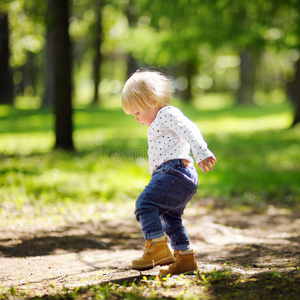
(247,49)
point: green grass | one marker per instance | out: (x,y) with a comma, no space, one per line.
(258,166)
(258,157)
(222,284)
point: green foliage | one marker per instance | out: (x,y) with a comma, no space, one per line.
(175,37)
(26,20)
(200,23)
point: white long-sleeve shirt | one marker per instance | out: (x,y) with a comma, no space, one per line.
(172,135)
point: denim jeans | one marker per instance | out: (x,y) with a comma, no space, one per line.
(159,208)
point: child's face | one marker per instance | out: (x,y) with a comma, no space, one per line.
(144,117)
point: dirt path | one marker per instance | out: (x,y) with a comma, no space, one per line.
(43,261)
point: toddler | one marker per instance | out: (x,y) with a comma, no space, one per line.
(174,180)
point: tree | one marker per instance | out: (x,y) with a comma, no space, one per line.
(173,36)
(132,65)
(183,29)
(294,93)
(247,78)
(61,72)
(293,12)
(6,82)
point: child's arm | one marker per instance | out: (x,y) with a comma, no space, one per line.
(207,164)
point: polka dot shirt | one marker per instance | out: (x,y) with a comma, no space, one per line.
(172,135)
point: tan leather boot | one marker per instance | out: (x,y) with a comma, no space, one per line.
(184,262)
(156,253)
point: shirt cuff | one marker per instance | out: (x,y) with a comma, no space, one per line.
(203,155)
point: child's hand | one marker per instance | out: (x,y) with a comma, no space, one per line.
(207,164)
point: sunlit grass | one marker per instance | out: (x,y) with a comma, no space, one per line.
(258,157)
(26,143)
(236,119)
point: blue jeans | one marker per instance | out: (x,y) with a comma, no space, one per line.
(159,208)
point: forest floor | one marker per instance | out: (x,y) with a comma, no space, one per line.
(240,255)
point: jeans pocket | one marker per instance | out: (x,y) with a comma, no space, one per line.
(178,193)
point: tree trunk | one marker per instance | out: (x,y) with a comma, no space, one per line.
(6,82)
(247,78)
(61,52)
(97,47)
(29,71)
(294,94)
(132,64)
(189,70)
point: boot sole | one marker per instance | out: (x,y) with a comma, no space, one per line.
(162,262)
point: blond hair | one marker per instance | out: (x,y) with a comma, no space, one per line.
(147,90)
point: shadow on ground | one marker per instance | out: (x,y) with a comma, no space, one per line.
(107,235)
(247,255)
